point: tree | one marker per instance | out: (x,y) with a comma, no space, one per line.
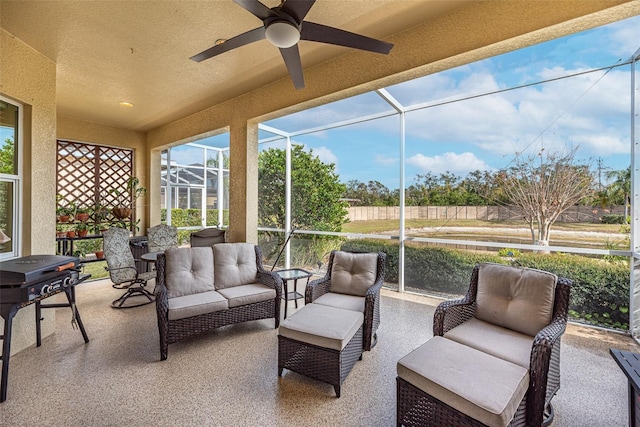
(315,191)
(543,187)
(7,157)
(373,193)
(619,191)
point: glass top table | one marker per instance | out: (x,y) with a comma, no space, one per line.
(288,275)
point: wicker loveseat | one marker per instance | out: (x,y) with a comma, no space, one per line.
(495,356)
(202,288)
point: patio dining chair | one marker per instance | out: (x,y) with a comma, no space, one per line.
(162,237)
(121,266)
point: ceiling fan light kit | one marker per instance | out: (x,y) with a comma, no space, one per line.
(282,34)
(284,26)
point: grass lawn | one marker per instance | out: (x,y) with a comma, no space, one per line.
(367,227)
(96,269)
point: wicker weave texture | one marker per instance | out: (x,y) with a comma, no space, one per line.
(323,364)
(171,331)
(419,409)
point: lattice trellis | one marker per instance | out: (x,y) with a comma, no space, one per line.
(86,173)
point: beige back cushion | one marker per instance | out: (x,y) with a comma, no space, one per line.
(353,274)
(235,264)
(515,298)
(188,271)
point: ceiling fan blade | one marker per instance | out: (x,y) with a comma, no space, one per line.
(291,56)
(256,8)
(297,9)
(241,40)
(324,34)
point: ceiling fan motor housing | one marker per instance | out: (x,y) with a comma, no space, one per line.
(282,33)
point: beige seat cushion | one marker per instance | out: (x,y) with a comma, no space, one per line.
(353,274)
(235,264)
(515,298)
(481,386)
(188,271)
(321,325)
(195,304)
(347,302)
(247,294)
(495,340)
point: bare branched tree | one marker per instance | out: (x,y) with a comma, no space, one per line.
(543,187)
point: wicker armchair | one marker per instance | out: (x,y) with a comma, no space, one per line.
(357,280)
(123,272)
(451,317)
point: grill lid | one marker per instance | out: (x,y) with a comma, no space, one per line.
(33,267)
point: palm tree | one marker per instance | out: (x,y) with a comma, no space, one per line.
(619,190)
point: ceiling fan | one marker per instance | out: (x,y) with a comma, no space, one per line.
(284,26)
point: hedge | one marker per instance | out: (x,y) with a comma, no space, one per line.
(191,218)
(599,295)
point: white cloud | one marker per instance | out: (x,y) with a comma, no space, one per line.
(326,155)
(586,110)
(459,164)
(385,161)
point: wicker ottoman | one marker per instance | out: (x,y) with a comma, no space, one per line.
(443,383)
(321,342)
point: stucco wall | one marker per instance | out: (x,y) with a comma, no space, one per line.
(30,78)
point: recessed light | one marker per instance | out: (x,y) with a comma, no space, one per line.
(126,104)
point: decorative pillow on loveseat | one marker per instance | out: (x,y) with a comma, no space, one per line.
(234,264)
(188,271)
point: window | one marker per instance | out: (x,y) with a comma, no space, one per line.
(10,133)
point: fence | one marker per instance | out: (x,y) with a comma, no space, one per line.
(590,214)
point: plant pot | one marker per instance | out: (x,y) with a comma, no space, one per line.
(64,218)
(82,217)
(61,234)
(71,234)
(99,254)
(83,233)
(121,213)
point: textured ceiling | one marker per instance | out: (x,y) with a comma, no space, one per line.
(138,51)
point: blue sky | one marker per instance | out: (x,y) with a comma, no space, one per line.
(589,112)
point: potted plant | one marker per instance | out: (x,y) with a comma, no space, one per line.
(125,200)
(71,234)
(82,214)
(60,233)
(63,212)
(81,229)
(100,212)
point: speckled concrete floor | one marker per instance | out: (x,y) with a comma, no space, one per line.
(229,377)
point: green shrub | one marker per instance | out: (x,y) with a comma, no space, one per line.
(612,219)
(191,218)
(308,251)
(600,290)
(509,252)
(599,294)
